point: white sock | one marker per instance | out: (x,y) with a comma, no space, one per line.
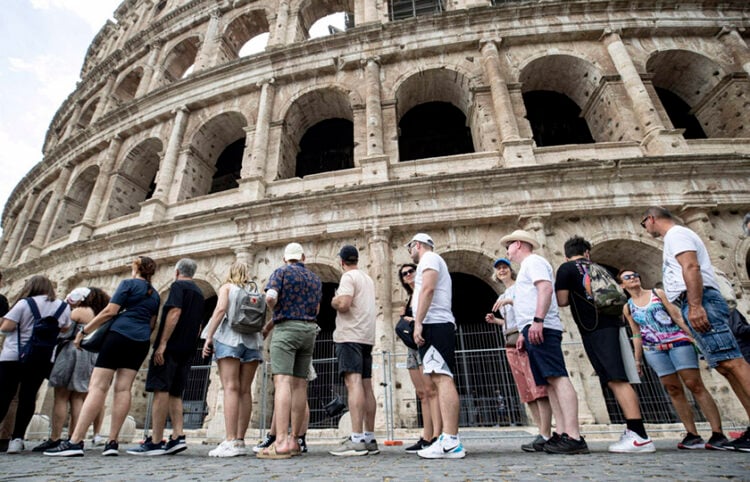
(450,440)
(369,437)
(358,437)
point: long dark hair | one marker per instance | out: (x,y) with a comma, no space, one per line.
(401,278)
(96,300)
(37,285)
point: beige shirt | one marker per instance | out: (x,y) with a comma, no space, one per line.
(358,324)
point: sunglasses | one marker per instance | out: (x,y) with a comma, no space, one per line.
(643,223)
(406,273)
(626,277)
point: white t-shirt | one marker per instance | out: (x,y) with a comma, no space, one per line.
(358,324)
(534,268)
(509,315)
(680,239)
(21,314)
(440,309)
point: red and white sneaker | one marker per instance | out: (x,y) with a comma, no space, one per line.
(630,442)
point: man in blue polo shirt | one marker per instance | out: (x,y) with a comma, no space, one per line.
(293,293)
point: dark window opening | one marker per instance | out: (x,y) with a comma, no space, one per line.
(159,7)
(321,390)
(228,167)
(555,119)
(680,115)
(326,146)
(488,394)
(401,9)
(433,129)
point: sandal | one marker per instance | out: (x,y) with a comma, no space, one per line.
(271,453)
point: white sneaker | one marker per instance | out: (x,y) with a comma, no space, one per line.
(631,442)
(438,450)
(15,446)
(226,448)
(98,440)
(240,446)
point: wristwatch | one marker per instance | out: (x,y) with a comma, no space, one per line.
(538,320)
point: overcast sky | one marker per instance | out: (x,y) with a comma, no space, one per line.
(42,46)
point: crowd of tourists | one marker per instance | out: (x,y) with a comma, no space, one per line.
(102,342)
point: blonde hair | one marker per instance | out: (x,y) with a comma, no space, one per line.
(239,274)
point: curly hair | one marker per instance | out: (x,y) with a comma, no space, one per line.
(96,300)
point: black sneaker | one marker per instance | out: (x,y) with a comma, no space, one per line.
(265,443)
(567,445)
(553,440)
(718,441)
(46,445)
(536,445)
(692,442)
(149,448)
(302,444)
(66,449)
(112,448)
(421,444)
(741,444)
(175,445)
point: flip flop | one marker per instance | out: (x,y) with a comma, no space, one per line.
(271,453)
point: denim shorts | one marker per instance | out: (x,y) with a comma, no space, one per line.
(546,360)
(245,355)
(667,362)
(717,344)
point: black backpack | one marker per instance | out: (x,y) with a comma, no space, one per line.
(44,334)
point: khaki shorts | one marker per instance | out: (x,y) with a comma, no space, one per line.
(292,348)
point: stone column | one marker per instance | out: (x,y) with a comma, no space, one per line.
(253,182)
(247,155)
(105,99)
(515,151)
(22,221)
(207,54)
(696,218)
(380,268)
(73,122)
(374,111)
(730,36)
(370,12)
(280,25)
(48,218)
(97,202)
(149,69)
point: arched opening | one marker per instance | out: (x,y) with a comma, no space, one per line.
(215,158)
(318,18)
(87,114)
(245,35)
(32,224)
(696,90)
(326,146)
(159,8)
(329,113)
(73,205)
(180,59)
(555,119)
(433,129)
(128,86)
(134,180)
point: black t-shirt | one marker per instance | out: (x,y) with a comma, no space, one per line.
(186,295)
(570,277)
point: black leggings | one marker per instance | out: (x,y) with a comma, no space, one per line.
(26,378)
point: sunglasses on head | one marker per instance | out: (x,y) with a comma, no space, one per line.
(626,277)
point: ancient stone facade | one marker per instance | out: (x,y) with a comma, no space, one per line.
(133,158)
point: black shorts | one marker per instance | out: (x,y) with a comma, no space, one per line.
(119,351)
(603,350)
(439,350)
(354,358)
(171,376)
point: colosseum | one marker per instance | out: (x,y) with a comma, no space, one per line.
(465,119)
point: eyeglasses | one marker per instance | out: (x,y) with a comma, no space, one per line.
(643,223)
(406,273)
(410,246)
(626,277)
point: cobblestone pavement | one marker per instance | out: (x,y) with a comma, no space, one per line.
(488,460)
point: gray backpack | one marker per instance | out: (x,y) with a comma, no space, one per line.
(247,313)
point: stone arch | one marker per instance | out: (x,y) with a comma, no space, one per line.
(32,224)
(73,205)
(310,109)
(242,29)
(568,82)
(742,261)
(430,96)
(640,254)
(310,11)
(699,94)
(180,58)
(134,180)
(87,113)
(128,85)
(215,156)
